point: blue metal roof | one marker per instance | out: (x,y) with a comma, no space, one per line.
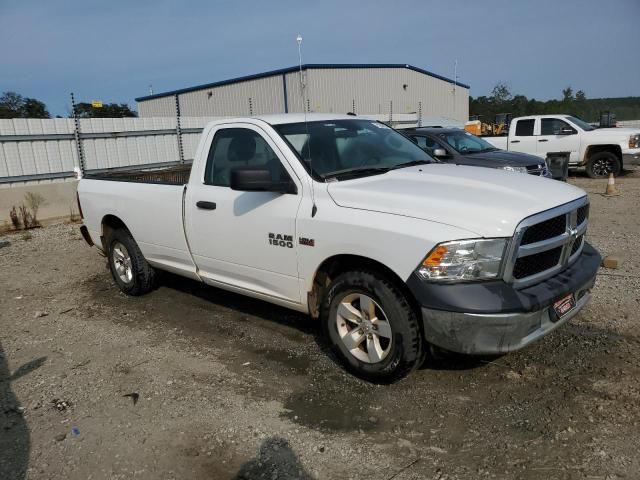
(308,66)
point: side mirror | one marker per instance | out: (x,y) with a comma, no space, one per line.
(440,153)
(567,131)
(259,180)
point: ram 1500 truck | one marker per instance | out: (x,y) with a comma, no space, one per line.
(601,151)
(351,222)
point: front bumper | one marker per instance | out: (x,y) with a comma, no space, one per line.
(493,317)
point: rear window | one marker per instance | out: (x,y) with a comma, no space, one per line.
(524,128)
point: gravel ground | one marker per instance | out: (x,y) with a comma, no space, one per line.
(194,382)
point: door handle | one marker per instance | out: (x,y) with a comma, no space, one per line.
(543,140)
(515,141)
(206,205)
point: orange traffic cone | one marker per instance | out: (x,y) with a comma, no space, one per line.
(611,190)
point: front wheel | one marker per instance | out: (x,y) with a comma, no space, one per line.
(601,164)
(371,326)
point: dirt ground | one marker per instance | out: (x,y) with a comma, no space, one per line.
(191,382)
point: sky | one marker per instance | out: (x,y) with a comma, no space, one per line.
(112,51)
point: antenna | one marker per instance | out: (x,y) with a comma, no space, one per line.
(314,208)
(302,85)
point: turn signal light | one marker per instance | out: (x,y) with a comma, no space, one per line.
(435,257)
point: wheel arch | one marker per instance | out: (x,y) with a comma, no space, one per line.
(611,148)
(335,265)
(108,224)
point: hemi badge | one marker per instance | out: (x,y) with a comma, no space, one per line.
(309,242)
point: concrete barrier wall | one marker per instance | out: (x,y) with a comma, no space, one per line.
(60,197)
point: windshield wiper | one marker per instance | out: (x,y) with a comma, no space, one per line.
(411,164)
(355,172)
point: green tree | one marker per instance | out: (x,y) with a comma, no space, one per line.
(567,94)
(580,96)
(14,105)
(33,108)
(500,93)
(519,106)
(108,110)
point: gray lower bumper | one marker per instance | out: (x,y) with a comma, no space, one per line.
(631,159)
(492,333)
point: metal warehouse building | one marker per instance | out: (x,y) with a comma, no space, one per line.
(370,89)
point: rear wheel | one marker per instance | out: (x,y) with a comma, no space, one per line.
(372,327)
(128,266)
(601,164)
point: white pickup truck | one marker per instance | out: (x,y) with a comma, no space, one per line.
(349,221)
(601,151)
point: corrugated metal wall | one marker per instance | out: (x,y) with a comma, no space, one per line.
(116,152)
(629,123)
(377,91)
(334,90)
(252,97)
(41,149)
(158,107)
(19,158)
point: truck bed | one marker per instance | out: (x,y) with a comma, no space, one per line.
(173,175)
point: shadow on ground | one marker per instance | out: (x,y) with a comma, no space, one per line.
(14,432)
(275,459)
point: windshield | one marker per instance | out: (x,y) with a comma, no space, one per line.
(581,123)
(350,148)
(465,143)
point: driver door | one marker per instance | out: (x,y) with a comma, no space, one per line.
(245,240)
(553,139)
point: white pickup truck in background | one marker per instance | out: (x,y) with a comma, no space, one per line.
(351,222)
(601,151)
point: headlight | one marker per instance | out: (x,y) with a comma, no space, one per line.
(634,141)
(464,260)
(514,169)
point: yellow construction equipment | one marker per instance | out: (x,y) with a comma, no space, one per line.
(499,127)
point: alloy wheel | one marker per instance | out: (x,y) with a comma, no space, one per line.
(364,328)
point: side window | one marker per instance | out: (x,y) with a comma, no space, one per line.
(432,144)
(524,128)
(553,126)
(426,142)
(421,141)
(240,148)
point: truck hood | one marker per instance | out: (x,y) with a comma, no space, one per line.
(618,134)
(499,158)
(486,202)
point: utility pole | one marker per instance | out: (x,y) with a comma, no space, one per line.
(455,84)
(77,136)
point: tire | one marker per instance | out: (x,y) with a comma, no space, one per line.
(385,348)
(603,163)
(128,266)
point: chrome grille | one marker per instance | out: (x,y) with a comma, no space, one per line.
(546,243)
(583,213)
(544,230)
(536,263)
